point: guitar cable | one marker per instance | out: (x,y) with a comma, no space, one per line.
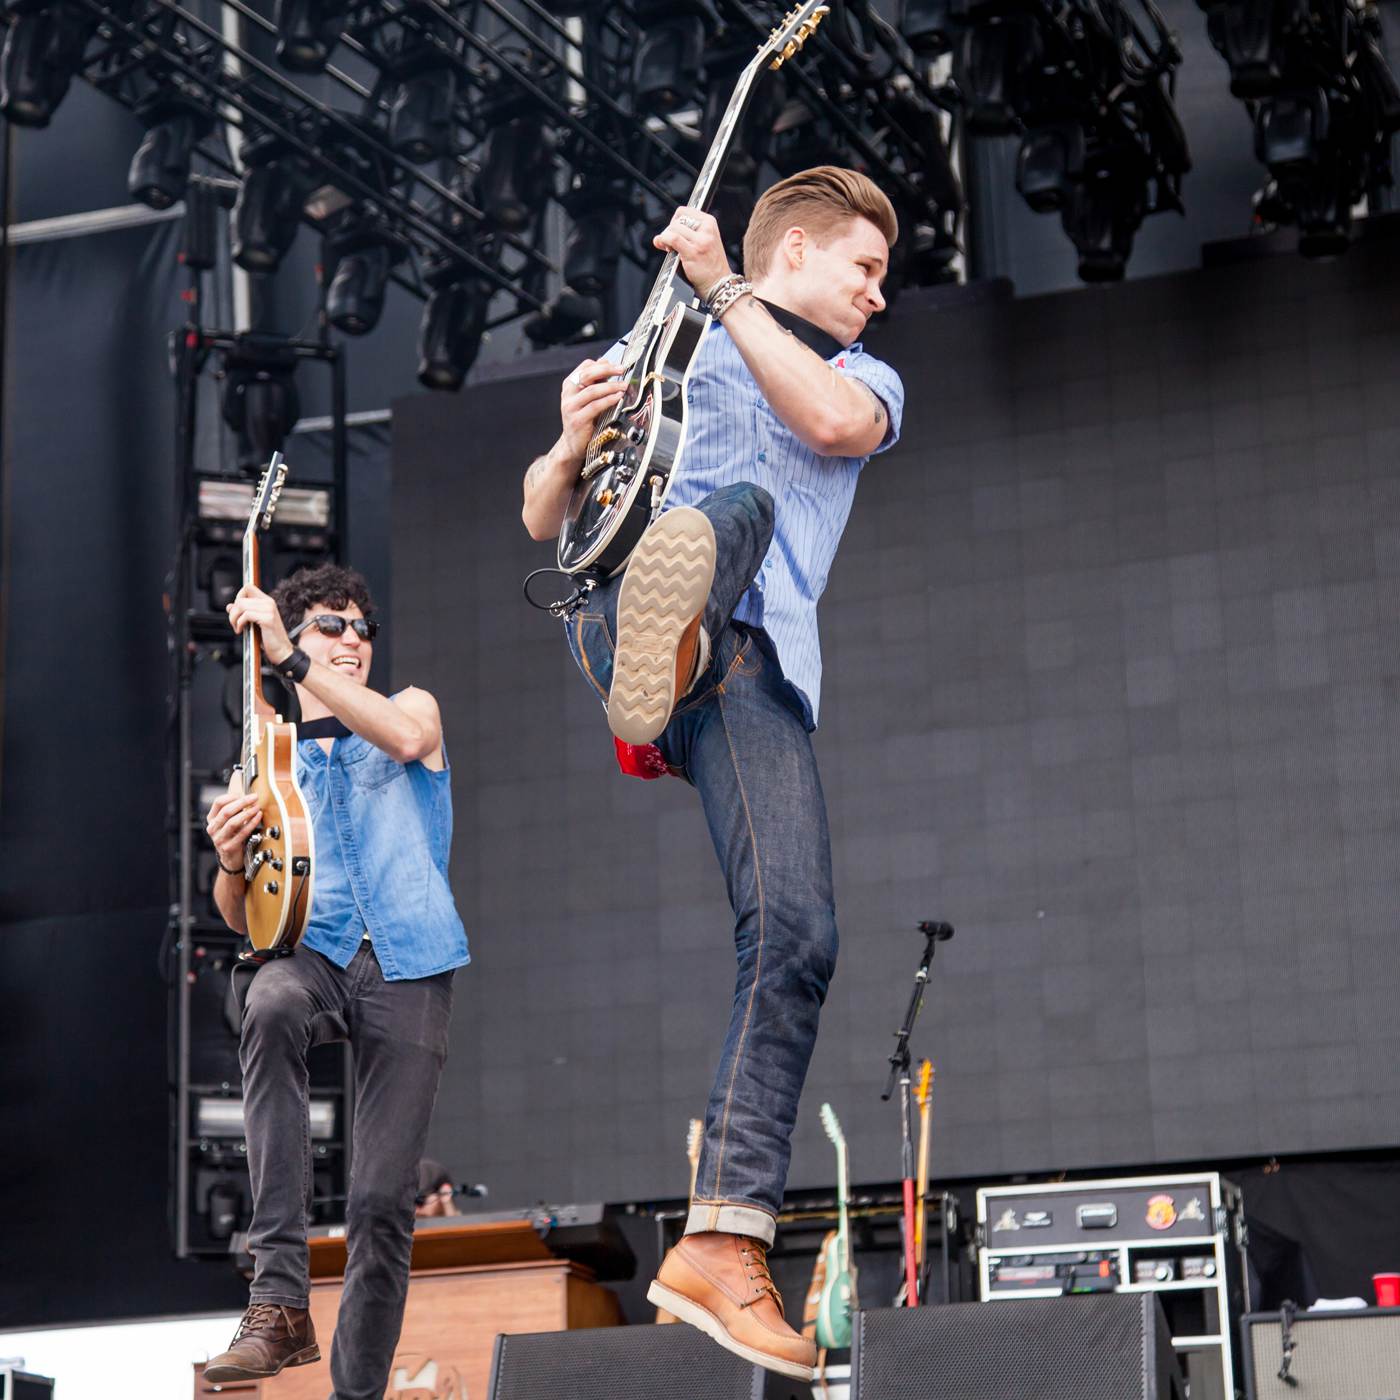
(563,608)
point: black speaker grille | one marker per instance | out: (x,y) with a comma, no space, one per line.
(1109,1347)
(620,1363)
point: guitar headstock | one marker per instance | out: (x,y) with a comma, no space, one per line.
(269,488)
(693,1135)
(832,1126)
(795,28)
(921,1090)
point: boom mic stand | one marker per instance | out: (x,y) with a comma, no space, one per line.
(934,933)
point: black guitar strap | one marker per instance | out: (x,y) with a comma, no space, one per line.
(813,337)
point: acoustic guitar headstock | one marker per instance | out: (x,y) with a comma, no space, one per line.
(832,1125)
(269,488)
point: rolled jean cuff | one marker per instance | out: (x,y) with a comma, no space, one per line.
(730,1219)
(281,1300)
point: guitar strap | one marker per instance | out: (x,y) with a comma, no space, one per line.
(327,727)
(813,337)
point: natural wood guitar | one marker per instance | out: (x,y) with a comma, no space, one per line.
(280,857)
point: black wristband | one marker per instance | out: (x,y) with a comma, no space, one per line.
(295,666)
(239,872)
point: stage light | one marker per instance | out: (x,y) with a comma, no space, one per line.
(259,400)
(996,64)
(1049,164)
(518,172)
(1291,130)
(668,71)
(449,336)
(422,120)
(160,169)
(307,31)
(363,257)
(268,209)
(568,317)
(43,50)
(593,248)
(928,25)
(1101,216)
(219,1117)
(224,498)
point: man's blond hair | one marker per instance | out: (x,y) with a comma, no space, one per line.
(821,201)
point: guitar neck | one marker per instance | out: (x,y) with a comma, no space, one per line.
(659,299)
(252,664)
(843,1197)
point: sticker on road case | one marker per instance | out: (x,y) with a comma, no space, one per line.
(1161,1212)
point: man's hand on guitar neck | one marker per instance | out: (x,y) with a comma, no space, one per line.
(407,728)
(586,393)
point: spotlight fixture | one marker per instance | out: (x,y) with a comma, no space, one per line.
(307,31)
(160,169)
(668,71)
(43,50)
(259,399)
(269,204)
(422,119)
(1324,103)
(569,317)
(449,336)
(362,256)
(518,172)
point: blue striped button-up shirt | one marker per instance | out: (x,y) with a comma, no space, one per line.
(731,436)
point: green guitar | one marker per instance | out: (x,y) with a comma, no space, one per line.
(838,1299)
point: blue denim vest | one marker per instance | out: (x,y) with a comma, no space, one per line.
(383,831)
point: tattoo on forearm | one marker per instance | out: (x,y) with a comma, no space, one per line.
(879,419)
(534,472)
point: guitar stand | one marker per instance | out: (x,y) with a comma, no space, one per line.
(934,933)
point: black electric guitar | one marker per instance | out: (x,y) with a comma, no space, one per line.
(636,446)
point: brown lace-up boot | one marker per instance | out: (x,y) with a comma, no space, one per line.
(269,1337)
(721,1284)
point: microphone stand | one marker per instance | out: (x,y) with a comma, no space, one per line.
(900,1061)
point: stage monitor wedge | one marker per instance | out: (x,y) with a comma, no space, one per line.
(1109,1346)
(644,1362)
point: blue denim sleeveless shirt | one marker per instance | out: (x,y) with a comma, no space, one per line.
(383,831)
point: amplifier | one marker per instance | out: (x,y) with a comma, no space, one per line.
(1330,1355)
(1179,1237)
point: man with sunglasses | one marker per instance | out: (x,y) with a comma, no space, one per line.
(374,967)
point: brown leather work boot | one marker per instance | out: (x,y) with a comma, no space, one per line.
(269,1337)
(661,647)
(721,1284)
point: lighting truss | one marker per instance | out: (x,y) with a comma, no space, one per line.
(486,144)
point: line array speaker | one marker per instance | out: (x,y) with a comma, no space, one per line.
(1111,1346)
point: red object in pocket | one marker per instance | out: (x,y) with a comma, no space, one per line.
(640,760)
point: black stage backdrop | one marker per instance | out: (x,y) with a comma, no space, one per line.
(1111,684)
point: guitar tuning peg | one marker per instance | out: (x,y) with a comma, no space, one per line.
(790,49)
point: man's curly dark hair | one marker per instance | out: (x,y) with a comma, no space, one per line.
(332,584)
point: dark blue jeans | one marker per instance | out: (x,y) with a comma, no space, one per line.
(398,1033)
(740,739)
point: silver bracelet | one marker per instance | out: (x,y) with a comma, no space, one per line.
(728,296)
(728,279)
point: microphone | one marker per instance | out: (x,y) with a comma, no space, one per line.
(934,929)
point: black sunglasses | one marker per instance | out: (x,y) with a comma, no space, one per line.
(331,625)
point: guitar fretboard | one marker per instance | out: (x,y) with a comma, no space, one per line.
(659,301)
(250,659)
